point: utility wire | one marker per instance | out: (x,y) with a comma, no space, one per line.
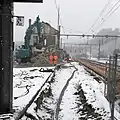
(60,16)
(63,29)
(57,9)
(108,15)
(113,7)
(62,25)
(56,5)
(103,10)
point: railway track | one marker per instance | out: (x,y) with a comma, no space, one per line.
(95,66)
(103,64)
(56,115)
(100,68)
(51,104)
(23,112)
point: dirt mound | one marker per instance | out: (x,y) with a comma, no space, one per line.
(40,59)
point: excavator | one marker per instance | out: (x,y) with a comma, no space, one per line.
(24,52)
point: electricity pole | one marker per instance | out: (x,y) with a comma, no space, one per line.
(86,51)
(99,51)
(90,50)
(58,43)
(6,55)
(115,43)
(61,43)
(113,86)
(64,46)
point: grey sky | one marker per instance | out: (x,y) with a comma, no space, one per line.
(77,15)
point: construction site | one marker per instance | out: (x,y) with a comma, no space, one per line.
(40,40)
(54,65)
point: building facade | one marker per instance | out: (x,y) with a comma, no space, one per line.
(50,34)
(41,33)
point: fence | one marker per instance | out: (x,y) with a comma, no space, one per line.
(111,78)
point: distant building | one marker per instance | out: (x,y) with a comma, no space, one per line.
(49,34)
(40,34)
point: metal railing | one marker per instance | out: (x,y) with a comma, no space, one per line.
(111,83)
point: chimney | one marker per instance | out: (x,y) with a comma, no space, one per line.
(29,22)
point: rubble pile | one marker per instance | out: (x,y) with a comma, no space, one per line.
(40,59)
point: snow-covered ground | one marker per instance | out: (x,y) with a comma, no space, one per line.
(93,93)
(60,79)
(101,60)
(26,82)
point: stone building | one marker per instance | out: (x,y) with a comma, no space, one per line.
(40,33)
(49,34)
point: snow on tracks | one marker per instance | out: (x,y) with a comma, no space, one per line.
(94,99)
(27,81)
(62,94)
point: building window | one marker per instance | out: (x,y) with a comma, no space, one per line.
(35,40)
(45,42)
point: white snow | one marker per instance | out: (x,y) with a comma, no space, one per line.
(68,105)
(24,77)
(93,93)
(101,60)
(60,80)
(39,112)
(92,89)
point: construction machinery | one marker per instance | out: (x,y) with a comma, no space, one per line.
(24,52)
(34,51)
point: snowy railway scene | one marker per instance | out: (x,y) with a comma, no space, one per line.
(60,60)
(69,93)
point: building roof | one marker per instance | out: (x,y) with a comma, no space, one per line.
(29,30)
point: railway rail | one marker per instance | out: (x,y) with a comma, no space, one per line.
(95,66)
(100,69)
(56,115)
(22,113)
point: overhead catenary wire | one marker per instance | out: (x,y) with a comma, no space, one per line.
(101,13)
(113,7)
(58,10)
(63,29)
(59,22)
(88,35)
(60,19)
(56,5)
(108,15)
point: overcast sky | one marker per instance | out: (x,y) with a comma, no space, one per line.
(77,16)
